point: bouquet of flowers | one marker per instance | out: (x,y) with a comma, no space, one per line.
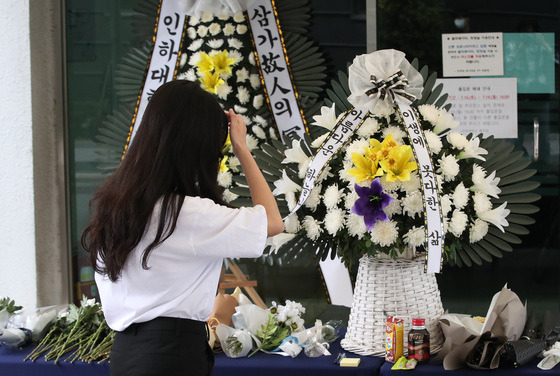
(79,333)
(368,198)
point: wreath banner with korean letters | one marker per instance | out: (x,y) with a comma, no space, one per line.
(343,130)
(274,68)
(164,58)
(433,218)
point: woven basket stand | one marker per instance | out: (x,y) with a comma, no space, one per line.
(387,287)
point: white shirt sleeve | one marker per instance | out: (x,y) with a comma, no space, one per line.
(218,231)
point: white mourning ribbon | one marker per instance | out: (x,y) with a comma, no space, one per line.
(164,59)
(433,216)
(346,127)
(273,64)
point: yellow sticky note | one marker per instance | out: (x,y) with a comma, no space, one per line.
(350,362)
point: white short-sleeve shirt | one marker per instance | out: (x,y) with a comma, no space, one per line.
(184,270)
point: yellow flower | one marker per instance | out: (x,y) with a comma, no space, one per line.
(206,63)
(211,81)
(222,62)
(398,165)
(366,167)
(223,164)
(382,149)
(228,141)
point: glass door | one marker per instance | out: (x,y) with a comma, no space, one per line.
(532,270)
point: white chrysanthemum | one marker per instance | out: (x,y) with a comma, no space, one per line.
(473,150)
(241,29)
(202,31)
(251,142)
(252,60)
(183,60)
(255,81)
(415,237)
(487,184)
(412,204)
(223,16)
(357,146)
(444,122)
(324,175)
(243,94)
(389,186)
(343,172)
(229,196)
(291,223)
(239,109)
(184,76)
(350,199)
(446,202)
(445,226)
(302,168)
(393,208)
(229,29)
(397,132)
(235,43)
(194,20)
(291,201)
(461,196)
(236,55)
(332,196)
(260,121)
(368,127)
(334,220)
(457,140)
(327,119)
(258,131)
(224,179)
(412,184)
(434,142)
(478,230)
(481,202)
(258,101)
(242,74)
(314,198)
(319,140)
(239,17)
(439,180)
(311,227)
(191,33)
(458,222)
(233,162)
(272,133)
(222,91)
(214,29)
(207,17)
(215,43)
(448,167)
(195,58)
(429,112)
(496,216)
(385,112)
(195,45)
(356,225)
(384,233)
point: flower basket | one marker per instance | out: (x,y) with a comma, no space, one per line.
(387,287)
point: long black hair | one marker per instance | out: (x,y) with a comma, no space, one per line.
(176,153)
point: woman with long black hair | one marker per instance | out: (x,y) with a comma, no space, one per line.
(160,230)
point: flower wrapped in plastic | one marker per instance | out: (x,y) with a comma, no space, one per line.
(365,188)
(256,329)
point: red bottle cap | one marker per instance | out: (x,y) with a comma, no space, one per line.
(418,322)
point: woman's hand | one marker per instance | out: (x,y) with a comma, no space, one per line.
(237,132)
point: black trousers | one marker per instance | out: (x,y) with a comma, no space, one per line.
(163,346)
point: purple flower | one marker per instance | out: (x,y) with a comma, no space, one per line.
(371,203)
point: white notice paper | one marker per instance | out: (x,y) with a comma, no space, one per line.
(483,105)
(472,54)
